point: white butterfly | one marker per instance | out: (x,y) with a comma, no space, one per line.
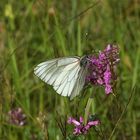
(66,75)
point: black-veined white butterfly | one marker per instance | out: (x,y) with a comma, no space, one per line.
(66,75)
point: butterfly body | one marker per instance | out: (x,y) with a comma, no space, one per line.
(66,75)
(84,61)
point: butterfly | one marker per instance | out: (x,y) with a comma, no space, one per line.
(67,74)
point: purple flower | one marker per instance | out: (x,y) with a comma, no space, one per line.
(107,80)
(102,68)
(80,128)
(17,117)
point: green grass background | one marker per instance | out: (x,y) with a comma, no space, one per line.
(37,30)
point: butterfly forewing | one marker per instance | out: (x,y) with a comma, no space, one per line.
(64,74)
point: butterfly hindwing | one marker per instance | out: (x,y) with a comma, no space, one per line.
(80,82)
(68,84)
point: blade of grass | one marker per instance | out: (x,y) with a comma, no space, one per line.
(87,109)
(60,37)
(14,70)
(79,50)
(135,72)
(125,109)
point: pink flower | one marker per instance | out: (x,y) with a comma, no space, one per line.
(100,68)
(17,117)
(80,128)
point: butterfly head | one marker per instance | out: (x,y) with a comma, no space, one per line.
(84,61)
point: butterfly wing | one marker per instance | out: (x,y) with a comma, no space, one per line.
(63,74)
(79,83)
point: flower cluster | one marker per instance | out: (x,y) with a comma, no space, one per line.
(17,117)
(102,67)
(80,128)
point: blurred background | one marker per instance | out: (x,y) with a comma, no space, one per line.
(38,30)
